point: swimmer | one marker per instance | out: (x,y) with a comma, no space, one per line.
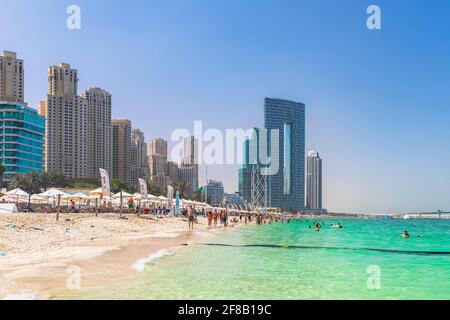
(405,234)
(318,226)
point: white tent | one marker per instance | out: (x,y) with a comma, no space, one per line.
(52,193)
(124,195)
(17,192)
(96,192)
(79,196)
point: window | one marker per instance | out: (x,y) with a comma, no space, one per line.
(287,159)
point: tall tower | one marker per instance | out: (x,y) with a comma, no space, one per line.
(99,131)
(122,150)
(188,171)
(66,143)
(157,163)
(11,78)
(139,156)
(286,187)
(158,146)
(314,181)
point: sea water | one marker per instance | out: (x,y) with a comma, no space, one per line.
(367,259)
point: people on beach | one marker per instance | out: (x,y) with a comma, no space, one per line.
(191,217)
(130,205)
(215,216)
(210,219)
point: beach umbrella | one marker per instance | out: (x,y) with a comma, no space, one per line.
(17,192)
(52,193)
(96,192)
(124,195)
(38,198)
(79,196)
(137,196)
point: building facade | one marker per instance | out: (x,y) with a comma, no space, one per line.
(99,131)
(138,156)
(286,188)
(234,199)
(215,192)
(66,143)
(157,163)
(121,143)
(22,132)
(188,171)
(11,78)
(172,172)
(314,181)
(158,146)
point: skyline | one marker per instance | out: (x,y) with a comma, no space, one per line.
(366,102)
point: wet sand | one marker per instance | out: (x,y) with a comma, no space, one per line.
(42,257)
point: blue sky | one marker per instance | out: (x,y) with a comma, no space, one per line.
(378,102)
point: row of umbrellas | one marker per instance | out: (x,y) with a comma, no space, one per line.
(97,193)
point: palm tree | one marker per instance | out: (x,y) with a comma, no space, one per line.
(154,189)
(118,185)
(182,186)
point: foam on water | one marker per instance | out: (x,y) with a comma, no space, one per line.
(141,263)
(31,295)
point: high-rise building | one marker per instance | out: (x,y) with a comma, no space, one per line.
(314,181)
(158,146)
(245,173)
(66,143)
(22,129)
(286,188)
(215,192)
(157,163)
(172,172)
(253,179)
(234,199)
(11,78)
(22,132)
(188,171)
(138,156)
(122,150)
(99,131)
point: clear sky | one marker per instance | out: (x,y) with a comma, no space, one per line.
(378,101)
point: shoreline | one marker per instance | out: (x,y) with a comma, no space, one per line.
(104,248)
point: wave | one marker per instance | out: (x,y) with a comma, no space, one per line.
(22,296)
(141,263)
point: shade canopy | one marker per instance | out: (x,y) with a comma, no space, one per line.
(52,193)
(98,191)
(17,192)
(79,196)
(124,195)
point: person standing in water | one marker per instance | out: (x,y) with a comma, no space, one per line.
(191,218)
(318,226)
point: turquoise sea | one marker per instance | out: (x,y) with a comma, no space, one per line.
(364,260)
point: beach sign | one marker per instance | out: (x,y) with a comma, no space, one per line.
(104,176)
(143,187)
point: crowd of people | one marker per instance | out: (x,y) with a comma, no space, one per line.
(222,217)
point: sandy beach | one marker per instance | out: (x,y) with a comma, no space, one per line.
(38,254)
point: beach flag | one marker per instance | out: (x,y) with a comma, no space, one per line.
(104,176)
(170,192)
(143,187)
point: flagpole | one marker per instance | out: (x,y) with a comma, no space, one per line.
(206,186)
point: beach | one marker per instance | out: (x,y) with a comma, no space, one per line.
(106,257)
(38,252)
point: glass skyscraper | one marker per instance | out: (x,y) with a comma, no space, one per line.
(286,188)
(22,132)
